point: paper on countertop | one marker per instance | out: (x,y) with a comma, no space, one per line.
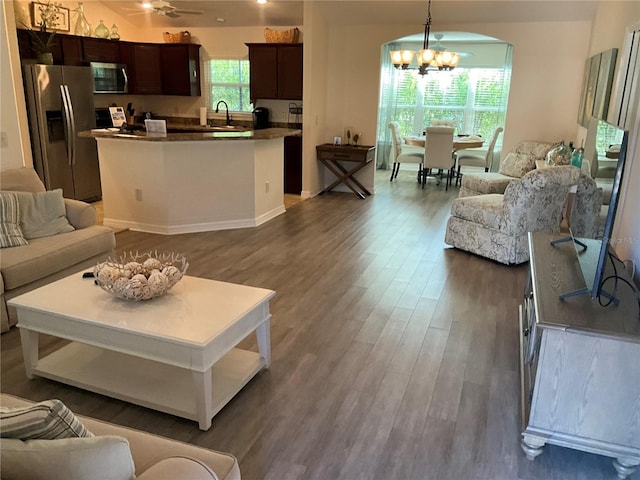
(104,130)
(156,126)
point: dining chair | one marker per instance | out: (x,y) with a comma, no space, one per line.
(477,157)
(438,154)
(402,153)
(443,123)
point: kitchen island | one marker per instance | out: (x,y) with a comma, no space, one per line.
(191,181)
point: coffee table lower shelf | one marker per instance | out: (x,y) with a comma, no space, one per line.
(147,383)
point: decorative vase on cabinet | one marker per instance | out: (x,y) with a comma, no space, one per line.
(102,31)
(114,33)
(82,27)
(45,58)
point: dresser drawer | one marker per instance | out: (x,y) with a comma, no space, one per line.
(345,153)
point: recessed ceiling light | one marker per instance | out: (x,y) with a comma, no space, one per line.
(220,19)
(261,2)
(147,5)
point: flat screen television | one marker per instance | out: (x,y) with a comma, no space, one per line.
(602,137)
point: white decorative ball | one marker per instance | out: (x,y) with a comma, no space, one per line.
(152,264)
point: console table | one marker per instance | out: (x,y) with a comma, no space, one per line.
(579,361)
(333,156)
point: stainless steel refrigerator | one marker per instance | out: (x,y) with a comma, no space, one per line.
(59,105)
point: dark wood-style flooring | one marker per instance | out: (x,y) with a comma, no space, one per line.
(394,356)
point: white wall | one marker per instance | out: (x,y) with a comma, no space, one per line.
(612,23)
(15,150)
(315,96)
(548,62)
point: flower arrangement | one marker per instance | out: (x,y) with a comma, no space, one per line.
(42,38)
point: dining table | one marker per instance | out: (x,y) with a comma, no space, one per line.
(459,143)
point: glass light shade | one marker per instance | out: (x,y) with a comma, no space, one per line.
(447,60)
(401,58)
(426,57)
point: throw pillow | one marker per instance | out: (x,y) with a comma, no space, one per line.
(517,164)
(107,457)
(10,233)
(43,214)
(45,420)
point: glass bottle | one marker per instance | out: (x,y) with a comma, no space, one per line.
(82,27)
(114,33)
(559,155)
(576,157)
(102,31)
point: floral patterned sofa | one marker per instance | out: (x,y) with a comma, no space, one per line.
(518,162)
(496,225)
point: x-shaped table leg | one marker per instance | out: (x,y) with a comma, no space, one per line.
(346,176)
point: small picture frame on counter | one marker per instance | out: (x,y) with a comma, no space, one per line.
(117,116)
(337,141)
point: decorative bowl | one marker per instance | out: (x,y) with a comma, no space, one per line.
(140,276)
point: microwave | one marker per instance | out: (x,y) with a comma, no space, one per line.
(109,77)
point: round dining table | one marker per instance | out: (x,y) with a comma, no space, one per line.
(459,143)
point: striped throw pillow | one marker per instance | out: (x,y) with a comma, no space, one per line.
(10,232)
(45,420)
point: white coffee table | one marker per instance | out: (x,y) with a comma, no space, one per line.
(174,353)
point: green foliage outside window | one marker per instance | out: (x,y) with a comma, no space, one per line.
(606,136)
(229,81)
(472,98)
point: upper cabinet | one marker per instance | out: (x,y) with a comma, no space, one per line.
(275,71)
(100,50)
(153,68)
(178,58)
(143,66)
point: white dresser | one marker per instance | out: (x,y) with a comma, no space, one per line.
(579,361)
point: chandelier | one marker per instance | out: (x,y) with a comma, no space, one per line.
(428,58)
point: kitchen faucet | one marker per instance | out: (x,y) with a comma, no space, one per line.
(226,107)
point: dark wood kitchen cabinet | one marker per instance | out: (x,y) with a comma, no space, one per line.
(71,50)
(293,164)
(290,71)
(180,65)
(153,68)
(275,71)
(28,49)
(144,68)
(100,50)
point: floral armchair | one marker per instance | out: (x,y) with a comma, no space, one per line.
(496,225)
(518,162)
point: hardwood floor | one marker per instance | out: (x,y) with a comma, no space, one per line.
(394,356)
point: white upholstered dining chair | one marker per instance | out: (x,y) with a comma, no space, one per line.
(402,153)
(476,158)
(438,154)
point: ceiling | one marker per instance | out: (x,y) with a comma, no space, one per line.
(237,13)
(242,13)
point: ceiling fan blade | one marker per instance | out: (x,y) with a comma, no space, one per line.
(172,14)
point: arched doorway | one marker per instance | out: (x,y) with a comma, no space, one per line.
(474,95)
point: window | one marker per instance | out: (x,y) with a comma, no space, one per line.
(471,97)
(228,80)
(607,136)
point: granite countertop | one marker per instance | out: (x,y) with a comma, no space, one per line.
(193,133)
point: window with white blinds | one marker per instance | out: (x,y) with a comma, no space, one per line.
(228,80)
(471,97)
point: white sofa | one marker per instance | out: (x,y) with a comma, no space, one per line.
(51,257)
(154,457)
